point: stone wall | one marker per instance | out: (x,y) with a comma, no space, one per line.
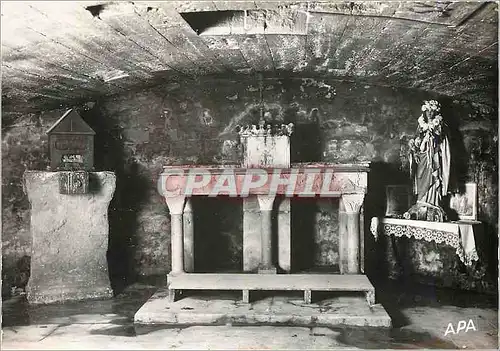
(139,132)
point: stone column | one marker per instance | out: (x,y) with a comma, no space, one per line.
(69,238)
(362,239)
(188,237)
(350,233)
(266,207)
(284,235)
(176,207)
(252,251)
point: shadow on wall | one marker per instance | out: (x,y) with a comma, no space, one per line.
(302,229)
(131,192)
(218,234)
(305,142)
(459,156)
(466,166)
(15,276)
(490,243)
(381,174)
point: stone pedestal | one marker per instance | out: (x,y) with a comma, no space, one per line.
(69,238)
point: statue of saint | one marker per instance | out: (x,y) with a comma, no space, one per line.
(429,164)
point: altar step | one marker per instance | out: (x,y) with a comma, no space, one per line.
(247,282)
(223,308)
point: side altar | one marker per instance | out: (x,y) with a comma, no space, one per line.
(431,237)
(264,175)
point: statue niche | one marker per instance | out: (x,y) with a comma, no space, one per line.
(429,158)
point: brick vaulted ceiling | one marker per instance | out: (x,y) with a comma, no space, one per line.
(67,52)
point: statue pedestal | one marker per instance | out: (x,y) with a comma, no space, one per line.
(69,238)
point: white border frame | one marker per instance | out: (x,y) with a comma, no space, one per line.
(470,191)
(407,190)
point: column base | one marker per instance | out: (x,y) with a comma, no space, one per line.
(175,274)
(246,296)
(270,270)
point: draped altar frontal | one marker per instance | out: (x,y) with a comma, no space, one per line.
(459,234)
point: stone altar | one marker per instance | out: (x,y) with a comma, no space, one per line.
(262,177)
(347,182)
(69,238)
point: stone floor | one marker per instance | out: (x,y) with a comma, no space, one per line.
(419,319)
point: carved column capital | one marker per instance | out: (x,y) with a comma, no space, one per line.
(175,204)
(188,208)
(351,203)
(266,202)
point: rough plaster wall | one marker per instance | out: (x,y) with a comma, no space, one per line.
(139,132)
(24,146)
(326,238)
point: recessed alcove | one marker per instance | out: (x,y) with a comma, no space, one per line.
(314,234)
(218,234)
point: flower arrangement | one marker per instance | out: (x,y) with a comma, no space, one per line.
(431,119)
(431,105)
(430,125)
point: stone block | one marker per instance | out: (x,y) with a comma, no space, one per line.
(69,238)
(266,151)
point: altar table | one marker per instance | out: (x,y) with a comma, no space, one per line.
(347,182)
(459,234)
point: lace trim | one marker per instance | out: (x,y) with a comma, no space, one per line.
(429,235)
(374,228)
(438,236)
(467,258)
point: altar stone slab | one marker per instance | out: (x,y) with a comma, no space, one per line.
(287,310)
(69,238)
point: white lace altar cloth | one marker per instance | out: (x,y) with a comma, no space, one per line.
(459,235)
